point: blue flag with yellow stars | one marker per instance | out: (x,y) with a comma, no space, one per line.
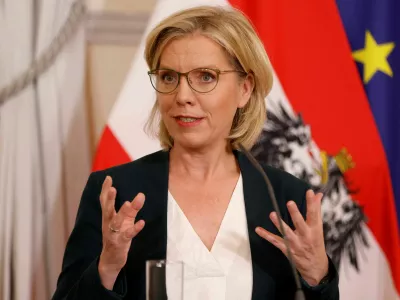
(373,31)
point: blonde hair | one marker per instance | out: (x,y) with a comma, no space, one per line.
(234,33)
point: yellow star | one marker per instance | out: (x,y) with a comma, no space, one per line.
(374,57)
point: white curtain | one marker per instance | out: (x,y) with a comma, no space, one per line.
(44,147)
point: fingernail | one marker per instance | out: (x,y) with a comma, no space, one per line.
(140,196)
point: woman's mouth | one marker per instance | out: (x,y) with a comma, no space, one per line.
(188,121)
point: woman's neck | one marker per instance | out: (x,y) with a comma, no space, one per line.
(203,165)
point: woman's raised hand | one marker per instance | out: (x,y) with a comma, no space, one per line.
(306,241)
(118,229)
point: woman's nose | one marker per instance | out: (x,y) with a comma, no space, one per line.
(184,93)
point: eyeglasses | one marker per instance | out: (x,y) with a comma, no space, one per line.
(201,80)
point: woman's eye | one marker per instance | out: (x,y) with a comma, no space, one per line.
(167,77)
(207,77)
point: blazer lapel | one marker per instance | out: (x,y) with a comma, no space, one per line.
(150,176)
(258,207)
(152,243)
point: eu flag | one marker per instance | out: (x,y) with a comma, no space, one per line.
(373,31)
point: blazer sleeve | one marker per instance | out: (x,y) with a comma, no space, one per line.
(79,278)
(325,291)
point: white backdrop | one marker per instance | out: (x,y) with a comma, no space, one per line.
(44,148)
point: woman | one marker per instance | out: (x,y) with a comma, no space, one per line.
(206,204)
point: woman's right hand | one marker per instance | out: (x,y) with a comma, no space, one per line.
(118,229)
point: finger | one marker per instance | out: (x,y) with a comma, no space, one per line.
(138,202)
(107,183)
(275,240)
(122,215)
(131,209)
(297,218)
(109,205)
(107,198)
(128,211)
(132,231)
(314,216)
(288,231)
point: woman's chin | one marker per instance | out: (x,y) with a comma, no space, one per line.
(193,142)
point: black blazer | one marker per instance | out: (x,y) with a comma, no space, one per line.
(272,278)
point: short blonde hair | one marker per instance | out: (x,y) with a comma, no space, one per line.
(234,33)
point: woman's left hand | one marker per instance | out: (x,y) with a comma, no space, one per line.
(306,241)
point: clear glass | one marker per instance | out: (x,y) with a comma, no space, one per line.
(164,280)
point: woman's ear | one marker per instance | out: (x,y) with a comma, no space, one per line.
(247,87)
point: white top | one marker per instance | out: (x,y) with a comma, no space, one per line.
(225,272)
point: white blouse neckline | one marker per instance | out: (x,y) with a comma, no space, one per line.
(225,271)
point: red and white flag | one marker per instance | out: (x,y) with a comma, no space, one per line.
(311,110)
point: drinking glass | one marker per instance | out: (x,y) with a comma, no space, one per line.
(164,280)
